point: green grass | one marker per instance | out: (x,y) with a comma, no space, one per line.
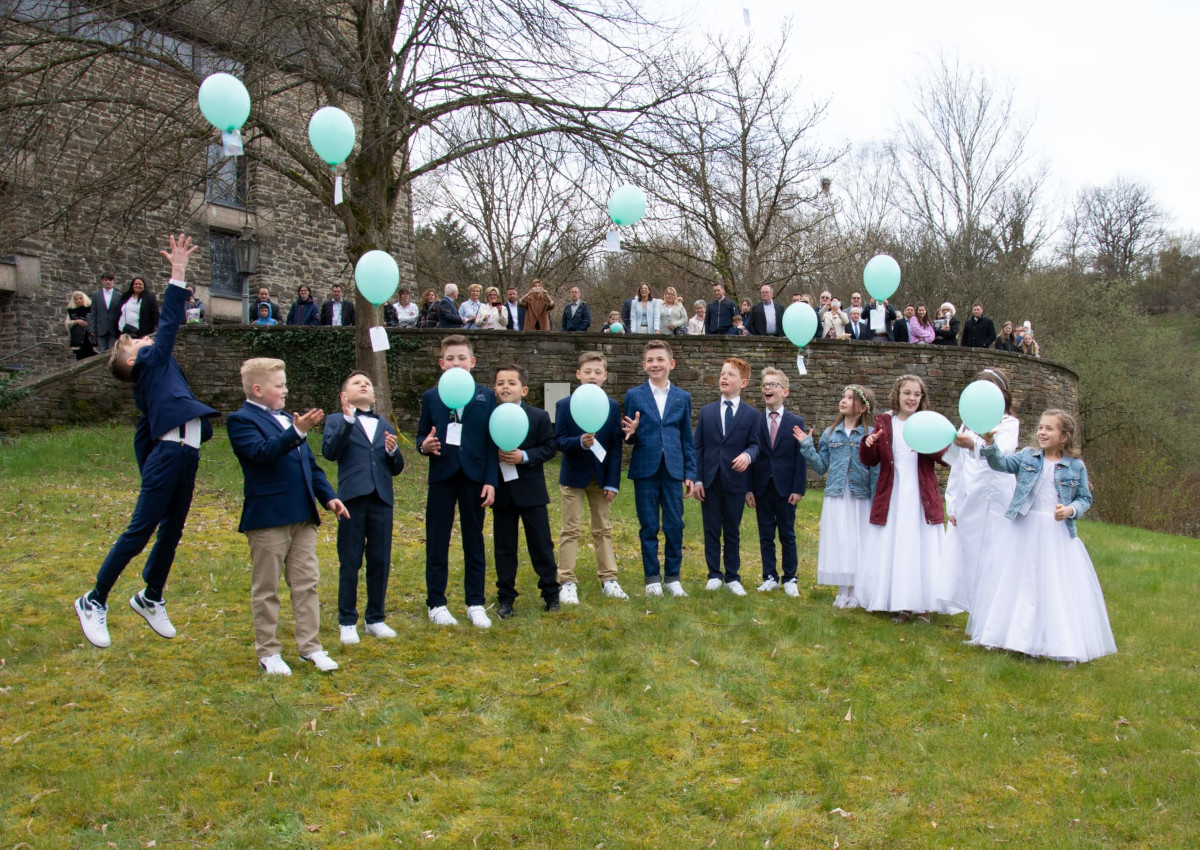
(710,721)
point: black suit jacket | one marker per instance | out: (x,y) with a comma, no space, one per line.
(978,333)
(758,319)
(347,313)
(861,330)
(147,314)
(529,490)
(900,329)
(104,321)
(364,467)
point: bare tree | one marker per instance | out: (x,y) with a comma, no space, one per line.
(1119,228)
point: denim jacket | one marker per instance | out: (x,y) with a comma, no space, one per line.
(838,456)
(1070,480)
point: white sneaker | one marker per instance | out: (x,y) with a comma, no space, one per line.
(568,594)
(768,585)
(478,617)
(93,617)
(321,660)
(735,587)
(676,589)
(441,616)
(654,589)
(713,584)
(379,630)
(155,614)
(613,590)
(348,634)
(790,588)
(274,665)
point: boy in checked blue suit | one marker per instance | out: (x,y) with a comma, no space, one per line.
(463,472)
(367,453)
(583,475)
(283,485)
(726,447)
(658,424)
(167,446)
(779,479)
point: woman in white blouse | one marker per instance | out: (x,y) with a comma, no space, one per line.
(404,311)
(674,314)
(469,309)
(645,312)
(492,315)
(695,325)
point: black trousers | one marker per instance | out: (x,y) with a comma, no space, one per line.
(722,514)
(369,532)
(774,513)
(536,520)
(439,522)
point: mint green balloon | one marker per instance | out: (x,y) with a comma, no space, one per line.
(224,102)
(616,328)
(331,133)
(456,388)
(627,205)
(508,425)
(589,408)
(928,432)
(981,406)
(799,324)
(881,277)
(376,275)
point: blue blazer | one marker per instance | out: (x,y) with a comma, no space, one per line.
(579,466)
(160,390)
(520,324)
(657,439)
(783,464)
(582,320)
(529,489)
(364,468)
(282,479)
(476,457)
(715,451)
(448,315)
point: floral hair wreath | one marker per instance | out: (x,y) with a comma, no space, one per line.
(861,396)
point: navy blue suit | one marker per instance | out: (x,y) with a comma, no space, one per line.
(779,471)
(580,467)
(525,499)
(519,324)
(581,321)
(456,477)
(447,314)
(365,471)
(663,458)
(724,488)
(282,481)
(168,469)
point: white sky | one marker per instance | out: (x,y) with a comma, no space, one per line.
(1112,88)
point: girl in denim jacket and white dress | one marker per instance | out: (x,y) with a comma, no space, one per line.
(846,511)
(1043,599)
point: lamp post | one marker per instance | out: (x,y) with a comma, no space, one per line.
(245,259)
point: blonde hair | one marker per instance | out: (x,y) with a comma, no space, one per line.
(87,302)
(118,360)
(256,370)
(781,377)
(593,357)
(864,397)
(1066,424)
(474,287)
(490,290)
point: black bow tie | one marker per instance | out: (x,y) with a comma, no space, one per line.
(368,413)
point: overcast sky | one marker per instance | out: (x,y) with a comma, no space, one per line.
(1112,88)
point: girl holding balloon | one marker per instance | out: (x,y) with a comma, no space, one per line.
(846,511)
(976,494)
(903,568)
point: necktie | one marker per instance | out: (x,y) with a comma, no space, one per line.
(728,416)
(774,427)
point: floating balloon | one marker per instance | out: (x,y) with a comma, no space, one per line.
(331,133)
(981,406)
(881,277)
(589,408)
(928,432)
(627,205)
(224,102)
(376,275)
(508,425)
(616,328)
(456,388)
(799,323)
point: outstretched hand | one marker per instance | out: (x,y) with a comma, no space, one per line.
(307,421)
(181,249)
(630,426)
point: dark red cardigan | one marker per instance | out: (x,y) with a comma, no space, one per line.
(881,454)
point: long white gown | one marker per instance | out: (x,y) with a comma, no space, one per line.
(904,567)
(1042,596)
(845,521)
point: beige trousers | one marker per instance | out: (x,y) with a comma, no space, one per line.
(568,541)
(289,551)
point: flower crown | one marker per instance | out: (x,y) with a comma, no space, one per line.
(861,395)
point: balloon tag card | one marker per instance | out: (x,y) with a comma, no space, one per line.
(612,242)
(598,451)
(337,189)
(800,364)
(231,143)
(379,339)
(454,434)
(508,472)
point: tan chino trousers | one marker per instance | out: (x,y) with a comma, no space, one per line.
(289,551)
(572,517)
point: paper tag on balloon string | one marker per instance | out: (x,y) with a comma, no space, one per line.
(800,364)
(612,241)
(599,452)
(337,189)
(231,143)
(454,434)
(508,472)
(379,339)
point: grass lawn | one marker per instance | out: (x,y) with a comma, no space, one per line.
(708,721)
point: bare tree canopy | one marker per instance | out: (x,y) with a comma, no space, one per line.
(1117,229)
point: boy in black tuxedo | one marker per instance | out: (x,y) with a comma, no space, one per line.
(525,499)
(367,453)
(167,446)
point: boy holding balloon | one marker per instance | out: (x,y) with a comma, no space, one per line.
(521,494)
